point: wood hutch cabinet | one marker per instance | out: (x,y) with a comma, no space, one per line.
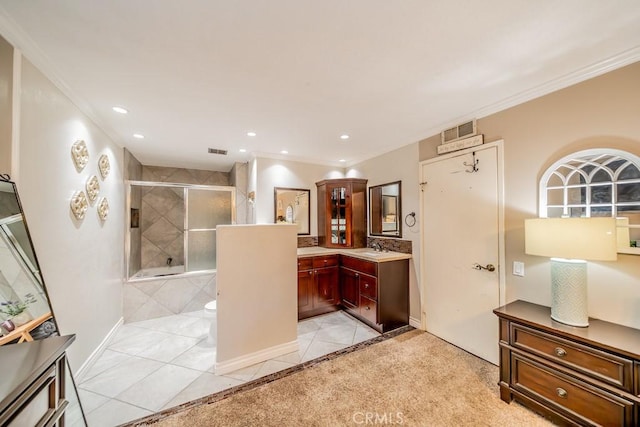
(317,285)
(342,213)
(574,376)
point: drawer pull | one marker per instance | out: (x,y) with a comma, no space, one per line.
(366,286)
(357,275)
(367,308)
(562,392)
(310,272)
(560,352)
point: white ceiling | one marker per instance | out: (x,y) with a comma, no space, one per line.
(201,73)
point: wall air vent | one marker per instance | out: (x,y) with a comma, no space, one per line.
(217,151)
(463,130)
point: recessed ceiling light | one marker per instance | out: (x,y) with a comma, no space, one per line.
(243,150)
(120,110)
(344,136)
(251,134)
(138,136)
(342,160)
(284,152)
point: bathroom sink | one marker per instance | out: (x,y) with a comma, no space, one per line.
(373,253)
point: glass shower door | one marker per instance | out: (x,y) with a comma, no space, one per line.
(206,209)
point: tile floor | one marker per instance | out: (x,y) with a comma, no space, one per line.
(160,363)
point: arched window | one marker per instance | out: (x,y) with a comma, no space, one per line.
(598,182)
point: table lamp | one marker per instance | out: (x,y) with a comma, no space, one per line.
(571,242)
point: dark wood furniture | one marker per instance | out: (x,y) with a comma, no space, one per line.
(573,376)
(317,285)
(342,213)
(33,389)
(377,293)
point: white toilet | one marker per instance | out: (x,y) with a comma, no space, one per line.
(210,313)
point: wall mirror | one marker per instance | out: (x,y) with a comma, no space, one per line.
(596,182)
(25,311)
(385,202)
(292,206)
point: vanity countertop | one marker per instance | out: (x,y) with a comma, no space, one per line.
(364,253)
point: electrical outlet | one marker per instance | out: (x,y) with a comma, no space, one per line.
(518,268)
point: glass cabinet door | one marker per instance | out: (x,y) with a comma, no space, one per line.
(338,216)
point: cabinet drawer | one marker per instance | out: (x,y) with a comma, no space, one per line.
(584,403)
(360,265)
(598,364)
(325,261)
(368,309)
(369,286)
(305,264)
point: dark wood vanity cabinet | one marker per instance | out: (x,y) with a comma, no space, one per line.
(376,292)
(574,376)
(34,394)
(342,213)
(317,285)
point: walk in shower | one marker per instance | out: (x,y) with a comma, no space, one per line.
(172,227)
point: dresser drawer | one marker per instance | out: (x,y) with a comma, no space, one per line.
(325,261)
(305,264)
(369,286)
(603,366)
(368,309)
(580,401)
(360,265)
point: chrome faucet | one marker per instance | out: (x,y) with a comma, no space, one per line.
(376,247)
(169,261)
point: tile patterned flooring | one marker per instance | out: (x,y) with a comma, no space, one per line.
(160,363)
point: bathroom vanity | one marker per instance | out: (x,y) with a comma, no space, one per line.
(371,286)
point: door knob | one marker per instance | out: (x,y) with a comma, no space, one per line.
(489,267)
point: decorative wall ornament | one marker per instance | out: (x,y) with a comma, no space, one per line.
(79,205)
(80,154)
(103,209)
(93,188)
(104,165)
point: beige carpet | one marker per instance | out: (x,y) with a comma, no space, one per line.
(414,379)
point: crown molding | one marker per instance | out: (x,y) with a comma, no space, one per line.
(20,40)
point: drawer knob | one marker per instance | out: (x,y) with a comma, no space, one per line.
(560,352)
(310,272)
(367,308)
(366,285)
(357,275)
(562,392)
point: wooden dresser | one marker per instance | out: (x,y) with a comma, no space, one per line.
(573,376)
(33,390)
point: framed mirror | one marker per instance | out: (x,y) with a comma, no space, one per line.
(385,209)
(293,206)
(25,310)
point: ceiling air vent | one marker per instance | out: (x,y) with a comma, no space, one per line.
(463,130)
(217,151)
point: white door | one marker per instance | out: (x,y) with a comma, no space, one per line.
(462,223)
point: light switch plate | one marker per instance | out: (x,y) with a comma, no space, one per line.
(518,268)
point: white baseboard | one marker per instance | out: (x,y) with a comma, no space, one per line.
(416,323)
(236,363)
(93,357)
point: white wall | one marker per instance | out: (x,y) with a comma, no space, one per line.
(257,314)
(272,173)
(82,262)
(400,165)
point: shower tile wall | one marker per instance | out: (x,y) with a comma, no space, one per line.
(161,226)
(167,296)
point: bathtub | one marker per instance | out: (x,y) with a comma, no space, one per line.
(158,272)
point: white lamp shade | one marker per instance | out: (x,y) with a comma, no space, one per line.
(572,238)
